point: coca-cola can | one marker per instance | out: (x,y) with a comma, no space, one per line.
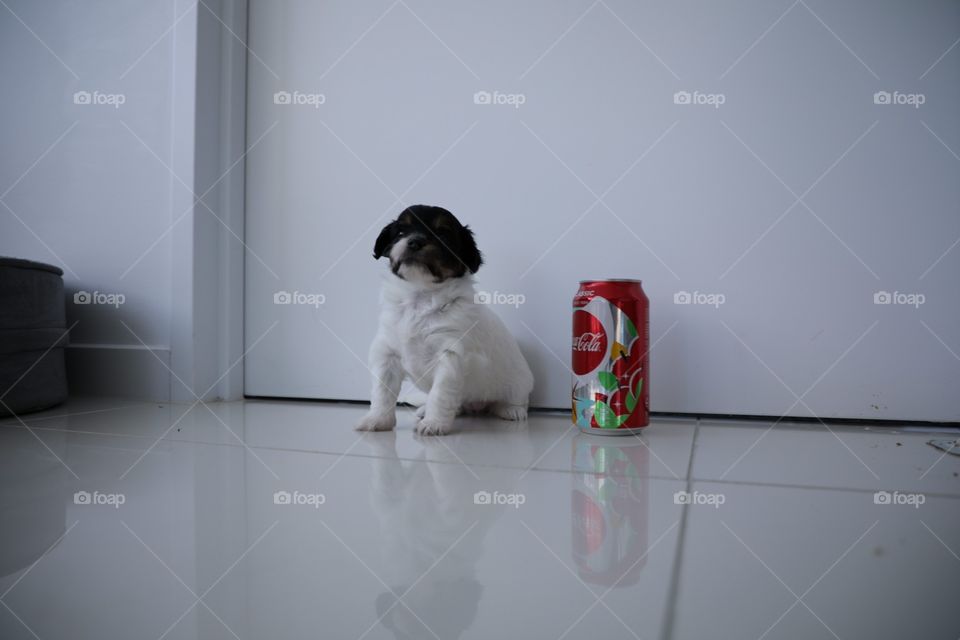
(611,373)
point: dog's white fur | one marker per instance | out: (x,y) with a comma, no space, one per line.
(457,351)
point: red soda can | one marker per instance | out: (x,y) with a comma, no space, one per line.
(611,338)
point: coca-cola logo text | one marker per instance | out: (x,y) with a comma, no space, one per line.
(588,342)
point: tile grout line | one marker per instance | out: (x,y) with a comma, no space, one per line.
(674,587)
(323,452)
(746,483)
(815,487)
(5,421)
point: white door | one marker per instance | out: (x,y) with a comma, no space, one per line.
(783,164)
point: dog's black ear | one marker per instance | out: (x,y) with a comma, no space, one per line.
(384,240)
(469,252)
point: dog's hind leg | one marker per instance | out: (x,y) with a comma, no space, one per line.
(509,410)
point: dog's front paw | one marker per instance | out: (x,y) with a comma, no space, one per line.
(506,411)
(433,427)
(421,411)
(376,422)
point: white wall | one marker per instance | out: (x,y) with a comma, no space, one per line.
(702,188)
(108,193)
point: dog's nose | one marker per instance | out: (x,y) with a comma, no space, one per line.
(415,244)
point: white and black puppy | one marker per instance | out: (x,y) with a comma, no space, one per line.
(432,331)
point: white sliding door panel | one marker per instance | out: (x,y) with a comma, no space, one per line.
(682,144)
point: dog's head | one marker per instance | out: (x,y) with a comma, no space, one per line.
(428,243)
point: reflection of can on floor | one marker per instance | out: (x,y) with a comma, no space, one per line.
(609,509)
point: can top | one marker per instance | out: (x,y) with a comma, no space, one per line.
(611,280)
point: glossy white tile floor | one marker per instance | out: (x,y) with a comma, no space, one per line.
(784,538)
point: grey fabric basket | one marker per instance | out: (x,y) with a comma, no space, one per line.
(33,333)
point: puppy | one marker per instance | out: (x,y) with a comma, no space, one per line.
(431,330)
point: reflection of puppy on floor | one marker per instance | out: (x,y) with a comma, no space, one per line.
(432,537)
